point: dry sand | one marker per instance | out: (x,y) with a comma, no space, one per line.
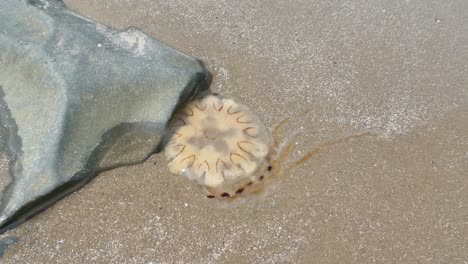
(395,69)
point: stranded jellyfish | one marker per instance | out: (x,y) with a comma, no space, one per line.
(228,151)
(221,145)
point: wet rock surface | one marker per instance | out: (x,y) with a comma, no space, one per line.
(76,98)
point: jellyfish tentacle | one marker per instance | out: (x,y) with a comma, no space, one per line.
(321,146)
(275,131)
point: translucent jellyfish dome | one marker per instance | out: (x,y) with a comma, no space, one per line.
(221,145)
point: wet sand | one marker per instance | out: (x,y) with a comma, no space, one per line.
(396,71)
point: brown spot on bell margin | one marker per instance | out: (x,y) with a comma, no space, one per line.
(250,183)
(210,196)
(240,190)
(269,168)
(225,194)
(261,177)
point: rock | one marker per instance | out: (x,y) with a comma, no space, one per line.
(6,242)
(78,98)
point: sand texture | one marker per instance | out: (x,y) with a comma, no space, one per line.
(377,92)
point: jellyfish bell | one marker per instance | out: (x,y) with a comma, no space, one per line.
(222,146)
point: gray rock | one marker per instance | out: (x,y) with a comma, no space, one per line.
(6,242)
(78,98)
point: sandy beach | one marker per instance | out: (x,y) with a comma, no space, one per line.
(385,81)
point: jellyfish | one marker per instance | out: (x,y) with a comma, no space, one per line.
(226,149)
(221,145)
